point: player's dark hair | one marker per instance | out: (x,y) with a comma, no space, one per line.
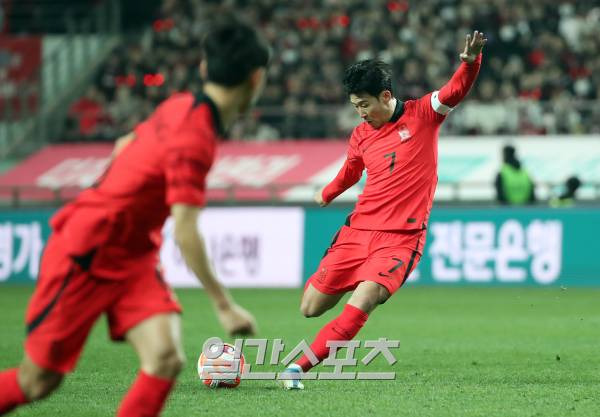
(370,76)
(233,49)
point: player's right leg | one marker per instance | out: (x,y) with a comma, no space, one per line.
(314,302)
(333,278)
(391,258)
(62,310)
(329,283)
(147,316)
(25,384)
(157,341)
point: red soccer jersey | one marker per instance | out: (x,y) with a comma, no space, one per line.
(401,159)
(166,163)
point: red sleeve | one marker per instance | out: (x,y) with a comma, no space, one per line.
(187,162)
(349,174)
(459,85)
(186,178)
(438,104)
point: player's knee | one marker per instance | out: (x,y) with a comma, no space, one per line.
(309,309)
(368,296)
(166,363)
(383,295)
(377,297)
(37,384)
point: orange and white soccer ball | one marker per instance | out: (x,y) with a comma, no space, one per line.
(221,370)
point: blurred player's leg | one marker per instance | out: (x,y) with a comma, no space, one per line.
(12,395)
(157,341)
(27,383)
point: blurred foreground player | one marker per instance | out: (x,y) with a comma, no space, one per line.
(102,256)
(383,238)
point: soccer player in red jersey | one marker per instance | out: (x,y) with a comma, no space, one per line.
(383,238)
(102,256)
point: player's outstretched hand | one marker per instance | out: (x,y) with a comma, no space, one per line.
(473,46)
(237,321)
(319,198)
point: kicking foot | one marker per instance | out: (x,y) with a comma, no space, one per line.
(290,378)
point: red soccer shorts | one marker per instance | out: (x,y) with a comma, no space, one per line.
(67,301)
(355,256)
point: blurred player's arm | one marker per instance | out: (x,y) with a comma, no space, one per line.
(121,143)
(234,318)
(455,90)
(348,175)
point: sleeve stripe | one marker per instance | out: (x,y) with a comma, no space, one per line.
(438,106)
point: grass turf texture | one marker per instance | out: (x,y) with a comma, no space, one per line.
(464,351)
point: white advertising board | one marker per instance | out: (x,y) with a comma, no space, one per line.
(248,247)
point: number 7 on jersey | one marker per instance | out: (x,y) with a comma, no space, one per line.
(391,155)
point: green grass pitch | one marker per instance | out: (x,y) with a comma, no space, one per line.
(463,352)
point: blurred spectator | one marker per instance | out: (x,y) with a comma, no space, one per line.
(251,128)
(87,117)
(568,196)
(514,186)
(124,105)
(541,65)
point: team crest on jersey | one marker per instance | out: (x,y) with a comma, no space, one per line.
(322,274)
(404,133)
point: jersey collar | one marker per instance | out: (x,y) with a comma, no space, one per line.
(397,111)
(203,98)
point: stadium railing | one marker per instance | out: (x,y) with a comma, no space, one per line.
(18,196)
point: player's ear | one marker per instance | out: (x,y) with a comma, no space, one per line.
(257,78)
(203,70)
(385,96)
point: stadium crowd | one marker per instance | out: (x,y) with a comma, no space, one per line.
(541,69)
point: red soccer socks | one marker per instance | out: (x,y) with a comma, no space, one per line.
(343,327)
(11,394)
(146,397)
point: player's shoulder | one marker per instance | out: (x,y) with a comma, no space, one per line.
(412,106)
(167,116)
(422,108)
(203,117)
(176,103)
(199,129)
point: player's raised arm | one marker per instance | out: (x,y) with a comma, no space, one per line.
(235,319)
(461,82)
(348,175)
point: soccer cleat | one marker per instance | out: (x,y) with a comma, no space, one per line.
(291,377)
